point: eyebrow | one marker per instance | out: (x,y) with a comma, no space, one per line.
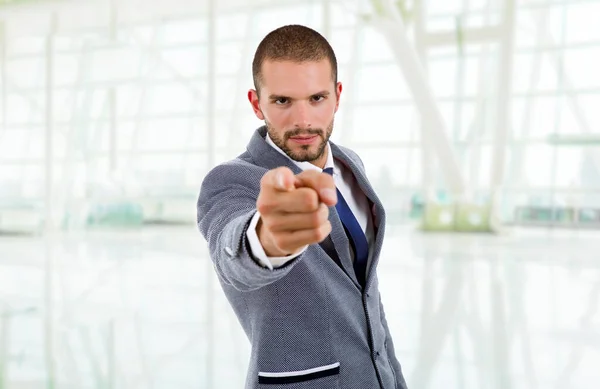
(276,97)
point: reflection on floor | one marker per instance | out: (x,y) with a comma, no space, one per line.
(142,309)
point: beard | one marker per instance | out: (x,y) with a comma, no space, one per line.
(305,154)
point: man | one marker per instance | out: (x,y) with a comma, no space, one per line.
(295,231)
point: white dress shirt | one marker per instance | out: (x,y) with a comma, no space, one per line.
(348,187)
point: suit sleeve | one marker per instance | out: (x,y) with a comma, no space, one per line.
(226,206)
(391,353)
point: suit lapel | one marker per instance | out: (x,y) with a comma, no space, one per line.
(377,210)
(342,245)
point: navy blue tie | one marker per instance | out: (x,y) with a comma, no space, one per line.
(355,232)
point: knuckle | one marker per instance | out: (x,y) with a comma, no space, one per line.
(315,219)
(307,174)
(309,199)
(265,178)
(283,171)
(267,223)
(277,224)
(279,241)
(314,174)
(324,213)
(318,234)
(263,206)
(326,230)
(318,217)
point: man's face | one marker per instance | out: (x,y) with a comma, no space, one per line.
(298,102)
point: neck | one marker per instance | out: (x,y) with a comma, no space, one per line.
(320,163)
(322,160)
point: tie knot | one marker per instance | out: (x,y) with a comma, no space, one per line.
(328,170)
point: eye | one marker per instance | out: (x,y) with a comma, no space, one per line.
(317,98)
(281,100)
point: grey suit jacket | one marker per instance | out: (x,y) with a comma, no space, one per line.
(310,323)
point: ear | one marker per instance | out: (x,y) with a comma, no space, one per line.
(254,102)
(338,93)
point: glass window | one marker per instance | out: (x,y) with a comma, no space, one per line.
(269,19)
(171,98)
(537,165)
(25,107)
(232,26)
(378,125)
(535,118)
(183,31)
(23,45)
(377,83)
(343,14)
(170,63)
(442,76)
(26,72)
(69,69)
(582,22)
(375,47)
(347,45)
(230,59)
(119,63)
(537,71)
(587,104)
(568,167)
(581,67)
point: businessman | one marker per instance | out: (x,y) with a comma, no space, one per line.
(295,231)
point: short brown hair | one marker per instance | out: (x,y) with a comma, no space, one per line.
(292,43)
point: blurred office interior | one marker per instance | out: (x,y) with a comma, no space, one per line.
(478,124)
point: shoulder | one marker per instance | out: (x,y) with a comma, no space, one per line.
(241,172)
(353,155)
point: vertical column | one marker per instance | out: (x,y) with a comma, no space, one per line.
(427,155)
(352,78)
(504,98)
(111,357)
(112,97)
(49,224)
(49,126)
(112,138)
(3,77)
(211,143)
(111,367)
(4,346)
(326,19)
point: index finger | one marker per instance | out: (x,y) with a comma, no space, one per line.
(322,183)
(280,179)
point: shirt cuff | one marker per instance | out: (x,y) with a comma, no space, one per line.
(258,251)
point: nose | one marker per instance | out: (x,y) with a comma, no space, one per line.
(301,115)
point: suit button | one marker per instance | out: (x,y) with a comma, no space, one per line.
(229,251)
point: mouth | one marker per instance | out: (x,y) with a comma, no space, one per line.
(304,140)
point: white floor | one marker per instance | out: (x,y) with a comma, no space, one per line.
(142,309)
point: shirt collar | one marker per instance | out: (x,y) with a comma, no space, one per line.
(306,165)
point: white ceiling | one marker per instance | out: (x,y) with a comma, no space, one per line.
(34,17)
